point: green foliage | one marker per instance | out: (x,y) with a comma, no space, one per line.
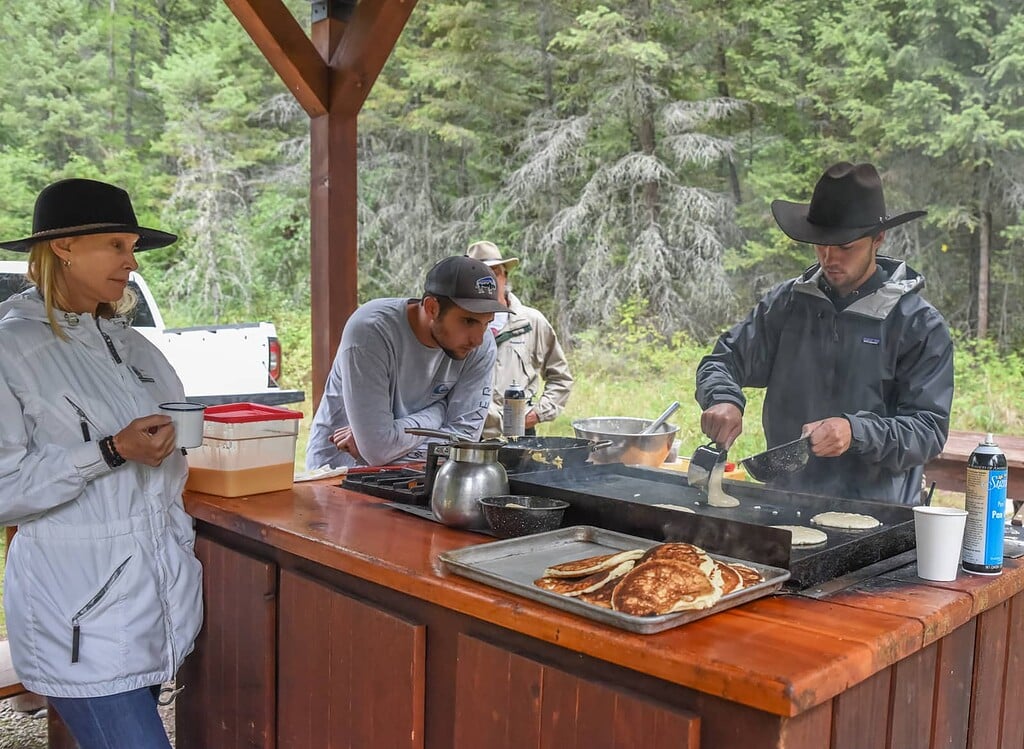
(988,388)
(624,150)
(634,370)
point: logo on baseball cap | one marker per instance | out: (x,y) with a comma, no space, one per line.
(467,282)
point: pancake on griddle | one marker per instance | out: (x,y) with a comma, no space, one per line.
(846,520)
(574,586)
(679,508)
(749,575)
(663,586)
(590,565)
(731,578)
(804,535)
(681,552)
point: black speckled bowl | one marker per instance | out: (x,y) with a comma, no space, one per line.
(511,515)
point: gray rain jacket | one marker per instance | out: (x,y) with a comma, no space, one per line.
(106,553)
(885,363)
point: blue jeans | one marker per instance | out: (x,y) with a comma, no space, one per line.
(128,720)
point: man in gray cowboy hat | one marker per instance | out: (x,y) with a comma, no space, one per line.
(529,353)
(849,352)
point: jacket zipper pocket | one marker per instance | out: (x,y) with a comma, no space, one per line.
(93,602)
(143,377)
(82,419)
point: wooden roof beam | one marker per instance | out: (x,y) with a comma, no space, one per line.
(288,50)
(369,38)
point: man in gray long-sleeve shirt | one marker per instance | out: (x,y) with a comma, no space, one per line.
(402,363)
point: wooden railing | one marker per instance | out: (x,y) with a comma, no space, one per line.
(949,470)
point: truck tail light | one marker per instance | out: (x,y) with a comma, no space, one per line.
(273,362)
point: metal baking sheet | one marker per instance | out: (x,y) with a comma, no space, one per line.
(513,564)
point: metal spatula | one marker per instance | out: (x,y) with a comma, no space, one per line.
(778,461)
(655,425)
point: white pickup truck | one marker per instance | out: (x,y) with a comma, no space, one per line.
(216,363)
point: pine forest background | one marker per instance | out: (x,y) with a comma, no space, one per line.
(628,151)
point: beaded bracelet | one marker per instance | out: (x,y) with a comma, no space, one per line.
(110,454)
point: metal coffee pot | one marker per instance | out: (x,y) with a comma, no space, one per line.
(471,471)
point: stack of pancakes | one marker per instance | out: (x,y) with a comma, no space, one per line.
(661,580)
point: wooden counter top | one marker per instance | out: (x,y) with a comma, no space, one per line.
(783,654)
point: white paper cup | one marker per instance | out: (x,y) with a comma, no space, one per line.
(188,422)
(940,534)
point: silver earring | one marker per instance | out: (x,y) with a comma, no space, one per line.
(67,263)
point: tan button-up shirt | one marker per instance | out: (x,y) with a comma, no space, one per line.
(529,354)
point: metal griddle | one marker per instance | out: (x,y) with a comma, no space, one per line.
(621,498)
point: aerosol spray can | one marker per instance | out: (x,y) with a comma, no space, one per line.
(986,499)
(513,416)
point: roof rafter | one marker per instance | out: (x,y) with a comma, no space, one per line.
(369,38)
(288,50)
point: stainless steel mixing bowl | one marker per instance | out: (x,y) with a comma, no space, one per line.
(628,444)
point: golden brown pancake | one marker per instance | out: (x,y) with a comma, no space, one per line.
(602,596)
(731,579)
(681,552)
(663,586)
(574,586)
(749,575)
(590,565)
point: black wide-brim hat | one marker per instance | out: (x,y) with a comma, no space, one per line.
(76,207)
(847,204)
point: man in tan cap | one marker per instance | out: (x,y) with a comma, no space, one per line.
(528,351)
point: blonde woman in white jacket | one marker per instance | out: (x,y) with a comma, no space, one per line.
(103,592)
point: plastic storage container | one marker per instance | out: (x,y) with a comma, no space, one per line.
(247,448)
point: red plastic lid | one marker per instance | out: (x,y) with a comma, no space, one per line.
(238,413)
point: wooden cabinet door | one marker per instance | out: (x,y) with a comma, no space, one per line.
(228,680)
(506,701)
(350,675)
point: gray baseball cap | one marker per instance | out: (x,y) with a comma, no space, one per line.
(467,282)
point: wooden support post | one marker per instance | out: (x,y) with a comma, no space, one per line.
(333,224)
(333,236)
(356,42)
